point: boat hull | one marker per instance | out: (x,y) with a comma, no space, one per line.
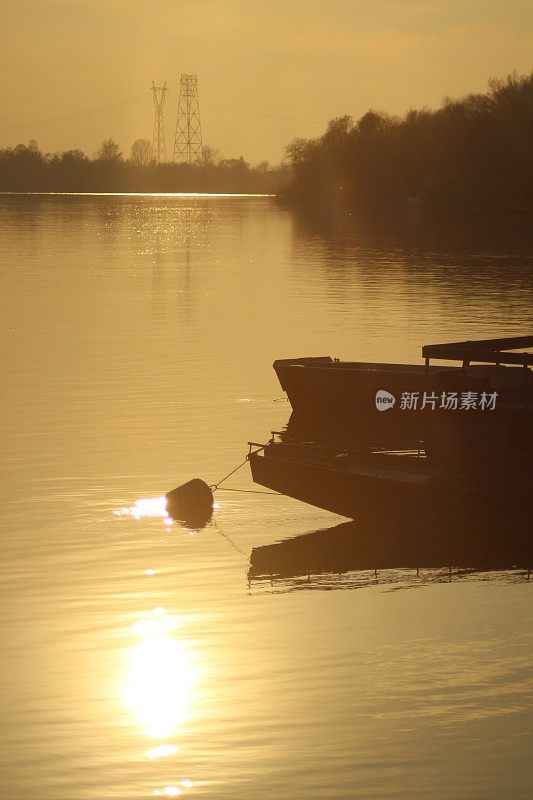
(365,490)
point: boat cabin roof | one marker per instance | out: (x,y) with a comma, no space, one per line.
(486,351)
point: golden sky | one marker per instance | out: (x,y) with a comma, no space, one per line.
(74,72)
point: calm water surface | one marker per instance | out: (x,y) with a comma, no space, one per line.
(137,336)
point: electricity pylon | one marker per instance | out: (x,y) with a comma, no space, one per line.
(188,139)
(158,141)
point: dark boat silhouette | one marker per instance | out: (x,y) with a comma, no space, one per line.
(469,466)
(339,399)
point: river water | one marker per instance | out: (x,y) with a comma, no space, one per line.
(138,660)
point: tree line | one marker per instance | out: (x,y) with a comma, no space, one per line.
(474,153)
(24,168)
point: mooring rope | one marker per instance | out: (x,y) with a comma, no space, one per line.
(230,541)
(247,491)
(216,486)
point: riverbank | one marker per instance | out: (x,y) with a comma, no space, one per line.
(472,154)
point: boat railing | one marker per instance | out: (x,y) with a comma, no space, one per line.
(453,469)
(417,448)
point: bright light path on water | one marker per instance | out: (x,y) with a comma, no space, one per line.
(159,679)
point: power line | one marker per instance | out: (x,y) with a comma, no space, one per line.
(188,140)
(262,102)
(63,107)
(86,111)
(266,114)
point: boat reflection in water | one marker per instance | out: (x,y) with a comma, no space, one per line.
(351,555)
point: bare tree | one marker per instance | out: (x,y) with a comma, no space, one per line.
(209,157)
(142,153)
(109,151)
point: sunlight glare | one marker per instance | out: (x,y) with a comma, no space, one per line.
(159,678)
(147,507)
(162,751)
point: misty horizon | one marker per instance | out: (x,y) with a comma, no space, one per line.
(265,75)
(214,154)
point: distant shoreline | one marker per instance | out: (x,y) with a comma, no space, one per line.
(137,194)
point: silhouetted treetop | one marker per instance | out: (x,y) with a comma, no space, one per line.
(472,153)
(142,152)
(109,151)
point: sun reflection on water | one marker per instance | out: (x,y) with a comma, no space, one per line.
(159,680)
(156,507)
(147,507)
(173,791)
(161,751)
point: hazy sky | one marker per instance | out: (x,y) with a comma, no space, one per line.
(76,71)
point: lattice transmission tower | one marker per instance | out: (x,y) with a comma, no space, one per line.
(158,141)
(188,139)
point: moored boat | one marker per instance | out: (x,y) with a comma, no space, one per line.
(451,443)
(314,383)
(486,400)
(399,485)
